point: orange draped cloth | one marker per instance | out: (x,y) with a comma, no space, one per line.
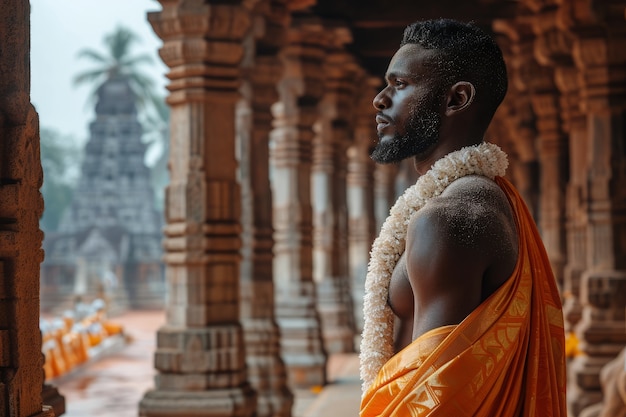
(506,359)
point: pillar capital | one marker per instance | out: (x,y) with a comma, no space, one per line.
(202,46)
(599,52)
(600,60)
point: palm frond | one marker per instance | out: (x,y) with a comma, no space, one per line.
(89,76)
(93,55)
(118,61)
(145,82)
(136,60)
(120,41)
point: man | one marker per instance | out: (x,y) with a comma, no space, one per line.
(462,313)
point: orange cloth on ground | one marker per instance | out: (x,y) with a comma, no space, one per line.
(506,359)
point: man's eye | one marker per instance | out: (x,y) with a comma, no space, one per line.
(399,83)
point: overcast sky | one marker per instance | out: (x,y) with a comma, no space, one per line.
(61,28)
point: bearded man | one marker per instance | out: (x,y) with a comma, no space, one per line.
(462,313)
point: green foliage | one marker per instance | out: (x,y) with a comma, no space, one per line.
(117,61)
(60,159)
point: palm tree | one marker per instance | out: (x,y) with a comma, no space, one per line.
(118,62)
(154,112)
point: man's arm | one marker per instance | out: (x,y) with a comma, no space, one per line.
(461,246)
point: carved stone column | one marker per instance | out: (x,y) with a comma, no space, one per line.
(300,91)
(551,49)
(530,77)
(554,49)
(21,206)
(200,355)
(514,132)
(517,113)
(524,170)
(362,223)
(266,369)
(330,223)
(384,192)
(577,193)
(600,53)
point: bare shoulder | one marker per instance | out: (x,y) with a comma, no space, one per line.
(472,209)
(461,246)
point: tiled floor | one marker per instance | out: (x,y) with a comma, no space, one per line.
(113,385)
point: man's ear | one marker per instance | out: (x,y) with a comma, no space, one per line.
(460,96)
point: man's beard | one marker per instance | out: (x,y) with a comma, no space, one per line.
(422,132)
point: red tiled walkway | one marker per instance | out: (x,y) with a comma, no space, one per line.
(113,385)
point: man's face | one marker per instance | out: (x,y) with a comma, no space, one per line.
(408,108)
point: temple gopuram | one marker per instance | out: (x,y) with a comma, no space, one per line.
(109,240)
(273,201)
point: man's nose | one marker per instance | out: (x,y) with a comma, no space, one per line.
(381,101)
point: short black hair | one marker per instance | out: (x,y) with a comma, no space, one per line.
(464,52)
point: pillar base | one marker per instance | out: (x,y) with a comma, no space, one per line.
(46,411)
(306,371)
(585,389)
(51,397)
(336,317)
(275,404)
(267,375)
(234,402)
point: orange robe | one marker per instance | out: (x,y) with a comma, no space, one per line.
(506,359)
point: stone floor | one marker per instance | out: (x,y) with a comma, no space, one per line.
(114,384)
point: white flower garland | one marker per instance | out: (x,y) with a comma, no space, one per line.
(484,159)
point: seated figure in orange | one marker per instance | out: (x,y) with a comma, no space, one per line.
(462,314)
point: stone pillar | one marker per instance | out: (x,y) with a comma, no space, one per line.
(599,53)
(360,180)
(266,369)
(384,192)
(200,355)
(553,155)
(330,223)
(524,170)
(517,42)
(21,206)
(300,91)
(551,49)
(530,77)
(576,195)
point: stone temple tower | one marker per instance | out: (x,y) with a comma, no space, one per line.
(109,239)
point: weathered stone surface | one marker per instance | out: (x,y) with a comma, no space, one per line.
(261,72)
(329,167)
(360,196)
(300,90)
(613,380)
(200,351)
(21,372)
(599,53)
(234,402)
(601,332)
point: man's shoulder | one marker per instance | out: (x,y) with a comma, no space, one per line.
(471,209)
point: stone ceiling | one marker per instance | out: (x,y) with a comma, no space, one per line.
(377,25)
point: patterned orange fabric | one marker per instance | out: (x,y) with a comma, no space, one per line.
(506,359)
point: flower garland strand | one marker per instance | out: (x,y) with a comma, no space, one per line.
(484,159)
